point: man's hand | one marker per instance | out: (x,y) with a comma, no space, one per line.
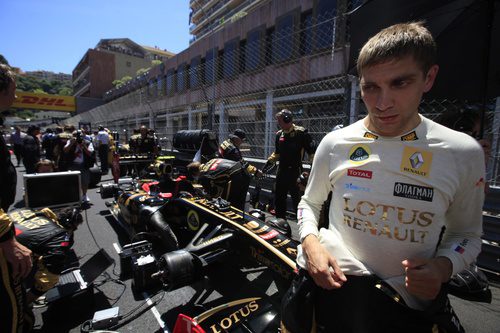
(425,276)
(258,174)
(19,257)
(321,265)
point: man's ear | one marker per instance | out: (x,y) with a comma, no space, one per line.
(430,77)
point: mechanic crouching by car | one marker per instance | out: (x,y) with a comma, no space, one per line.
(49,235)
(230,150)
(226,179)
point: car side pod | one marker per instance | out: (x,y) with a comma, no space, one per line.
(185,324)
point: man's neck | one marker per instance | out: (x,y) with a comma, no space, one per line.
(289,129)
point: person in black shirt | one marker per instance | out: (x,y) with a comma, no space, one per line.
(230,150)
(31,148)
(291,143)
(15,258)
(49,235)
(145,143)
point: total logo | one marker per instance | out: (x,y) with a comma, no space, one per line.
(360,173)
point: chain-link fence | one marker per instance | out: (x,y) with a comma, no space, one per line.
(300,64)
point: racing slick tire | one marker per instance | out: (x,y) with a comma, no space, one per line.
(153,218)
(179,269)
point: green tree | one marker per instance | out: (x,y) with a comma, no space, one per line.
(27,83)
(122,81)
(25,114)
(141,71)
(155,62)
(65,91)
(3,60)
(31,84)
(126,78)
(39,91)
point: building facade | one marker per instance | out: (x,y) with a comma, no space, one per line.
(279,54)
(208,16)
(282,54)
(49,76)
(110,60)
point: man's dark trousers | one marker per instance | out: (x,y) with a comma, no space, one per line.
(103,158)
(286,182)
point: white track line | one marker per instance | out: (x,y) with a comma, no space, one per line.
(155,313)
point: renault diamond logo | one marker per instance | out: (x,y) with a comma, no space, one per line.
(416,160)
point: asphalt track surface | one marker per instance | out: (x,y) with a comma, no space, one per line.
(230,280)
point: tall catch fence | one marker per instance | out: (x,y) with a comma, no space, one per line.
(300,64)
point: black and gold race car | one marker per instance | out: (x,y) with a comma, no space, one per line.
(192,230)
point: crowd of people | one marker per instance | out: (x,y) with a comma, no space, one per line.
(402,220)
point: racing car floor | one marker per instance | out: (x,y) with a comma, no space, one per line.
(229,280)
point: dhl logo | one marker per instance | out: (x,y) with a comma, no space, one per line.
(44,102)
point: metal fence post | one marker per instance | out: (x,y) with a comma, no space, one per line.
(269,142)
(223,122)
(492,170)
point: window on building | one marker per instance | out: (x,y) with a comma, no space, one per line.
(231,58)
(269,46)
(170,82)
(194,72)
(306,33)
(151,88)
(129,64)
(164,88)
(242,56)
(211,65)
(324,14)
(285,38)
(254,52)
(181,77)
(160,83)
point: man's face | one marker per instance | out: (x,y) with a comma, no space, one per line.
(237,141)
(392,92)
(8,97)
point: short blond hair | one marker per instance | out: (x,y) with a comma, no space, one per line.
(399,41)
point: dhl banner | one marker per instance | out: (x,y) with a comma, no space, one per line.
(26,100)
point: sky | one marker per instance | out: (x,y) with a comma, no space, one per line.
(53,35)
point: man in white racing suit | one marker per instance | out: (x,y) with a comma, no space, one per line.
(397,179)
